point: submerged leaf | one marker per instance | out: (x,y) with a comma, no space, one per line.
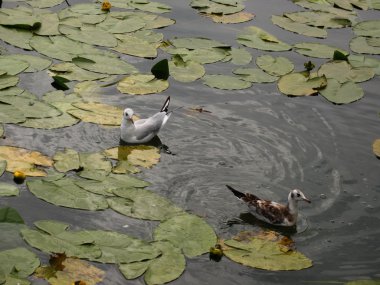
(66,160)
(317,50)
(7,189)
(185,71)
(342,71)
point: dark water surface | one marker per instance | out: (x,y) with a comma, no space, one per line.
(256,140)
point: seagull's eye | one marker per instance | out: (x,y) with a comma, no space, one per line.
(298,194)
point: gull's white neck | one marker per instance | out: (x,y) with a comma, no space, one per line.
(127,124)
(293,205)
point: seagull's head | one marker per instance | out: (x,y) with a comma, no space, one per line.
(297,195)
(127,115)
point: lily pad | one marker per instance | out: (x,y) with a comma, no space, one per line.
(72,72)
(153,7)
(36,63)
(104,64)
(257,38)
(132,202)
(185,71)
(95,165)
(7,81)
(363,45)
(319,19)
(214,7)
(18,262)
(342,93)
(298,84)
(141,84)
(240,56)
(187,232)
(65,193)
(66,160)
(44,3)
(10,114)
(121,26)
(367,28)
(342,71)
(17,18)
(265,254)
(10,215)
(234,18)
(376,147)
(97,113)
(132,45)
(276,66)
(16,37)
(299,28)
(196,43)
(225,82)
(317,50)
(20,159)
(49,25)
(255,75)
(7,189)
(12,66)
(365,61)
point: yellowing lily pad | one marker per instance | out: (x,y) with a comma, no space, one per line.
(20,159)
(317,50)
(66,160)
(141,84)
(299,84)
(376,147)
(299,28)
(7,189)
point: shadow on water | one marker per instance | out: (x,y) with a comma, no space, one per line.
(156,142)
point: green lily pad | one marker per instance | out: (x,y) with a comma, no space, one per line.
(265,254)
(17,18)
(187,232)
(255,75)
(132,202)
(72,72)
(319,19)
(299,28)
(234,18)
(3,163)
(365,61)
(49,25)
(36,63)
(225,82)
(65,193)
(153,7)
(66,160)
(317,50)
(121,26)
(7,81)
(12,66)
(10,215)
(136,46)
(364,45)
(87,9)
(7,189)
(16,37)
(257,38)
(185,71)
(44,3)
(61,121)
(18,262)
(298,84)
(342,93)
(342,71)
(104,64)
(141,84)
(95,165)
(367,28)
(156,22)
(276,66)
(10,114)
(240,56)
(196,43)
(214,7)
(97,113)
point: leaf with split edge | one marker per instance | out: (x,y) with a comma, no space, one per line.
(299,28)
(10,114)
(240,56)
(342,93)
(36,63)
(18,262)
(276,66)
(255,75)
(94,162)
(61,121)
(257,38)
(97,113)
(342,71)
(317,50)
(369,28)
(7,189)
(363,45)
(65,193)
(365,61)
(132,202)
(49,25)
(12,66)
(185,71)
(265,254)
(319,19)
(51,227)
(225,82)
(7,81)
(16,37)
(87,9)
(10,215)
(24,160)
(104,64)
(153,7)
(235,18)
(213,7)
(195,237)
(21,20)
(297,84)
(66,160)
(142,84)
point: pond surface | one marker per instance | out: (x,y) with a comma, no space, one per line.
(256,140)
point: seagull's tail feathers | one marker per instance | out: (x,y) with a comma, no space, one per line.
(237,193)
(166,105)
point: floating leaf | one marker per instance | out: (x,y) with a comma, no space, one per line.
(365,61)
(342,93)
(7,81)
(276,66)
(299,28)
(195,236)
(265,254)
(66,160)
(18,262)
(367,28)
(36,63)
(297,84)
(185,71)
(133,45)
(225,82)
(97,113)
(240,56)
(10,215)
(3,163)
(7,189)
(255,75)
(16,37)
(342,71)
(317,50)
(363,45)
(153,7)
(319,19)
(255,37)
(49,25)
(44,3)
(214,7)
(87,9)
(65,193)
(12,66)
(24,160)
(10,114)
(234,18)
(104,64)
(141,84)
(132,202)
(95,165)
(1,135)
(19,19)
(61,121)
(376,147)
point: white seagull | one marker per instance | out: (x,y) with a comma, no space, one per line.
(272,212)
(143,130)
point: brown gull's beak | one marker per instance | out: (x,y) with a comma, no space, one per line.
(306,200)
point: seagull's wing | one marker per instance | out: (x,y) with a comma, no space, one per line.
(274,212)
(149,126)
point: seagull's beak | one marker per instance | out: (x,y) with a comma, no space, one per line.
(131,120)
(306,200)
